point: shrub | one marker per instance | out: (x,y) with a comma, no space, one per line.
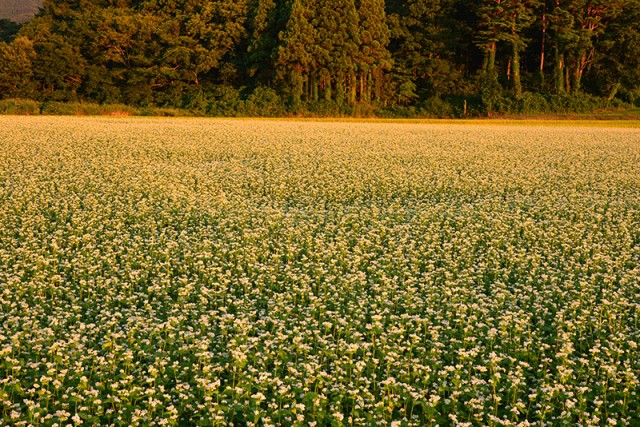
(363,110)
(436,107)
(398,112)
(55,108)
(491,93)
(324,108)
(118,110)
(264,102)
(19,106)
(224,101)
(575,103)
(198,105)
(532,103)
(632,96)
(165,112)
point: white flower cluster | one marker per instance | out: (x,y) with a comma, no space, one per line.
(272,273)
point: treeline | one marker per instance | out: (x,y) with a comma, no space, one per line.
(329,57)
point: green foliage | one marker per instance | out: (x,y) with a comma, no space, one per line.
(435,107)
(265,24)
(533,103)
(324,108)
(633,96)
(398,112)
(19,106)
(225,100)
(196,36)
(17,68)
(56,108)
(343,57)
(295,57)
(264,102)
(427,38)
(577,103)
(165,112)
(8,30)
(490,91)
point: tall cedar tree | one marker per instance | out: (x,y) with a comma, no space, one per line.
(336,46)
(375,58)
(264,26)
(426,40)
(295,60)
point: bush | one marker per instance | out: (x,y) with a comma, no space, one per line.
(55,108)
(436,108)
(117,110)
(398,112)
(224,101)
(363,110)
(491,93)
(198,105)
(324,108)
(264,102)
(576,103)
(632,96)
(165,112)
(532,103)
(19,106)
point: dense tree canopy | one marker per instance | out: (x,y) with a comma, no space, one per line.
(328,57)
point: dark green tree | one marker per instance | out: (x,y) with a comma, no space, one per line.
(197,38)
(58,66)
(8,30)
(265,23)
(336,46)
(617,62)
(519,16)
(374,59)
(430,47)
(295,55)
(16,69)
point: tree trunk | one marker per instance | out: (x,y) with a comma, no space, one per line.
(543,44)
(305,86)
(614,92)
(340,89)
(559,73)
(490,57)
(353,88)
(327,89)
(379,84)
(298,89)
(314,88)
(581,65)
(515,63)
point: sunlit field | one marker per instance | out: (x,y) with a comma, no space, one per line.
(287,273)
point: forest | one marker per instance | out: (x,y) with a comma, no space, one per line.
(393,58)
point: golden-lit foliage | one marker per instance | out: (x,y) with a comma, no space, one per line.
(213,272)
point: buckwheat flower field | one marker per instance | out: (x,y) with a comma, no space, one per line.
(270,273)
